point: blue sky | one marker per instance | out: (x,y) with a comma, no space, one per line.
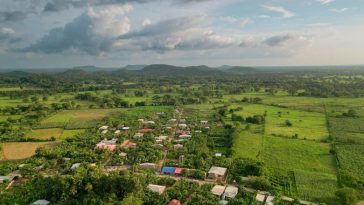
(114,33)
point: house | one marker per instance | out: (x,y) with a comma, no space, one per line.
(138,135)
(117,132)
(75,166)
(150,122)
(174,202)
(6,178)
(177,146)
(161,138)
(105,144)
(148,166)
(41,202)
(230,192)
(168,170)
(218,190)
(217,173)
(204,122)
(105,127)
(140,120)
(157,188)
(125,128)
(123,154)
(145,130)
(160,146)
(178,171)
(264,198)
(128,144)
(184,136)
(182,125)
(218,155)
(198,131)
(173,120)
(182,132)
(104,132)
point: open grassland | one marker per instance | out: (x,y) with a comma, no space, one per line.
(45,134)
(247,143)
(351,159)
(7,102)
(292,154)
(20,150)
(347,129)
(71,133)
(316,186)
(309,125)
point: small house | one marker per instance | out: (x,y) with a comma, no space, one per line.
(104,132)
(117,132)
(184,136)
(161,138)
(182,132)
(230,192)
(264,198)
(157,188)
(168,170)
(6,178)
(178,171)
(217,173)
(174,202)
(177,146)
(140,120)
(128,144)
(125,128)
(105,127)
(75,166)
(109,145)
(145,130)
(138,135)
(123,154)
(148,166)
(41,202)
(218,155)
(150,122)
(182,125)
(218,190)
(204,122)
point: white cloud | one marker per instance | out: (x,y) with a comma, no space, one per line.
(240,21)
(342,10)
(284,12)
(146,22)
(325,2)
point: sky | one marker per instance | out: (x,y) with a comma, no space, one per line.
(115,33)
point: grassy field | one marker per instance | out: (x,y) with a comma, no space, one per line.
(292,154)
(71,133)
(5,117)
(20,150)
(45,134)
(7,102)
(309,125)
(248,143)
(346,129)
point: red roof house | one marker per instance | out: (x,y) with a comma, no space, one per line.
(174,202)
(178,171)
(145,130)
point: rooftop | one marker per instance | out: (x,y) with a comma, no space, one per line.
(156,188)
(221,171)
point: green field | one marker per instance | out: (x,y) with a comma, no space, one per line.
(45,134)
(351,159)
(290,154)
(20,150)
(71,133)
(248,143)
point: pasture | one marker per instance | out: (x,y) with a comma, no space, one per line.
(248,143)
(45,134)
(71,133)
(20,150)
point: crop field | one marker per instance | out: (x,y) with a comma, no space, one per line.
(71,133)
(45,134)
(345,129)
(351,159)
(309,125)
(20,150)
(292,154)
(315,185)
(248,143)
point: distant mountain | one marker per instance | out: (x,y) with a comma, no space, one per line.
(169,70)
(240,70)
(224,67)
(134,67)
(17,74)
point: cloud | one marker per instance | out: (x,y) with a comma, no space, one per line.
(165,26)
(146,22)
(282,40)
(9,35)
(285,13)
(240,21)
(93,32)
(12,16)
(342,10)
(325,2)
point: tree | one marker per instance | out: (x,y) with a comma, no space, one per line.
(288,123)
(347,196)
(131,200)
(351,113)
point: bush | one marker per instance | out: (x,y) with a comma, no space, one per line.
(347,196)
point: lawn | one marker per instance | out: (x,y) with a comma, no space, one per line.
(292,154)
(20,150)
(45,134)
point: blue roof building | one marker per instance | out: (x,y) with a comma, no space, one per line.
(168,170)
